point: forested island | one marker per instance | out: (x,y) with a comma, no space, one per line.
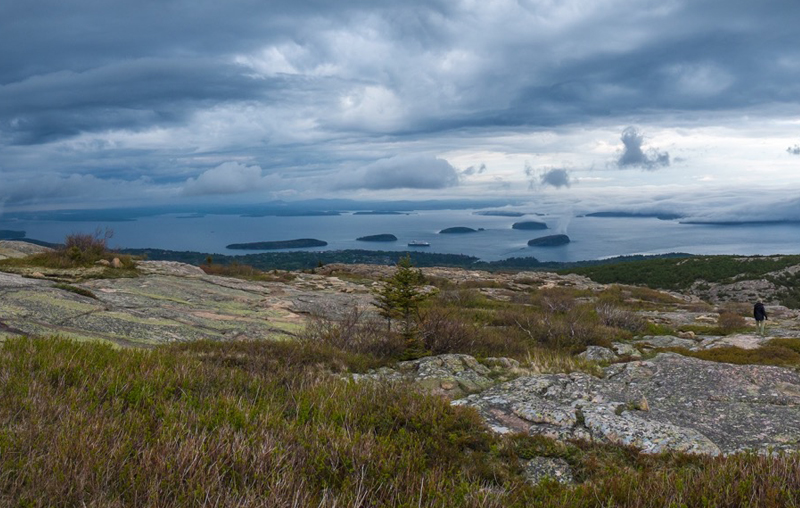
(457,230)
(499,213)
(301,243)
(380,212)
(529,225)
(377,238)
(549,241)
(636,215)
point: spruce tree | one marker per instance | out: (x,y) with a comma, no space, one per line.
(400,298)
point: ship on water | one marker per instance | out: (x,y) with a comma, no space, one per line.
(417,243)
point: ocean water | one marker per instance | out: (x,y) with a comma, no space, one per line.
(591,237)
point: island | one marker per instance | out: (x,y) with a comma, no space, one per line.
(381,212)
(292,213)
(377,238)
(8,234)
(301,243)
(457,230)
(636,215)
(549,241)
(499,213)
(529,225)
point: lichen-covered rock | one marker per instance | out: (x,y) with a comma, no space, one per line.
(540,468)
(668,403)
(451,375)
(628,350)
(598,354)
(664,341)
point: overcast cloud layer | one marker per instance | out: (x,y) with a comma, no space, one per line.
(121,103)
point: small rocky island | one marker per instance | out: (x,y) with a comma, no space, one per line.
(377,238)
(301,243)
(457,230)
(549,241)
(529,225)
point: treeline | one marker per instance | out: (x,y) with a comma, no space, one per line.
(681,273)
(300,260)
(303,260)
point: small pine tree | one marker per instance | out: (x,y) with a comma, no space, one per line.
(400,298)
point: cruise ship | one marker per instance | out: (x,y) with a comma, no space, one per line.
(417,243)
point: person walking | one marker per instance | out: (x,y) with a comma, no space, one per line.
(760,313)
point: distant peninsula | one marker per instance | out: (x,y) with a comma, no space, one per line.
(549,241)
(301,243)
(8,234)
(529,225)
(377,238)
(636,215)
(499,213)
(381,212)
(457,230)
(292,213)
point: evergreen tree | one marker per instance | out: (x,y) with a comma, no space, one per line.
(400,298)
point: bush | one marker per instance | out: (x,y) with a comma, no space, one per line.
(729,322)
(354,332)
(611,315)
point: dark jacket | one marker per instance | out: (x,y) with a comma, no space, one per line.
(759,312)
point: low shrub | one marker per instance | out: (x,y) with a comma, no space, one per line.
(355,331)
(243,271)
(729,322)
(77,290)
(770,354)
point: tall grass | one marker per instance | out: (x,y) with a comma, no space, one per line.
(270,424)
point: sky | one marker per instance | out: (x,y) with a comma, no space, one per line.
(666,106)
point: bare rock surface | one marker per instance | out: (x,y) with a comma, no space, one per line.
(668,403)
(170,302)
(14,249)
(450,375)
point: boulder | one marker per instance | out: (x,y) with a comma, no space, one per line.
(669,403)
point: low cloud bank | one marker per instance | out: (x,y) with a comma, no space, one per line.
(402,172)
(227,178)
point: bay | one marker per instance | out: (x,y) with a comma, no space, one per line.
(591,237)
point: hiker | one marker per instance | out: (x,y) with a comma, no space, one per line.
(760,313)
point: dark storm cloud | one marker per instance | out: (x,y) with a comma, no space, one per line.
(556,178)
(128,95)
(794,150)
(634,156)
(316,88)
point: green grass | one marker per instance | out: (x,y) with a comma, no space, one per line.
(271,424)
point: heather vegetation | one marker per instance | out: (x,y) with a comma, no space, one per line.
(79,250)
(274,424)
(283,423)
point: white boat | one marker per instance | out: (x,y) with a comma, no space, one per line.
(417,243)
